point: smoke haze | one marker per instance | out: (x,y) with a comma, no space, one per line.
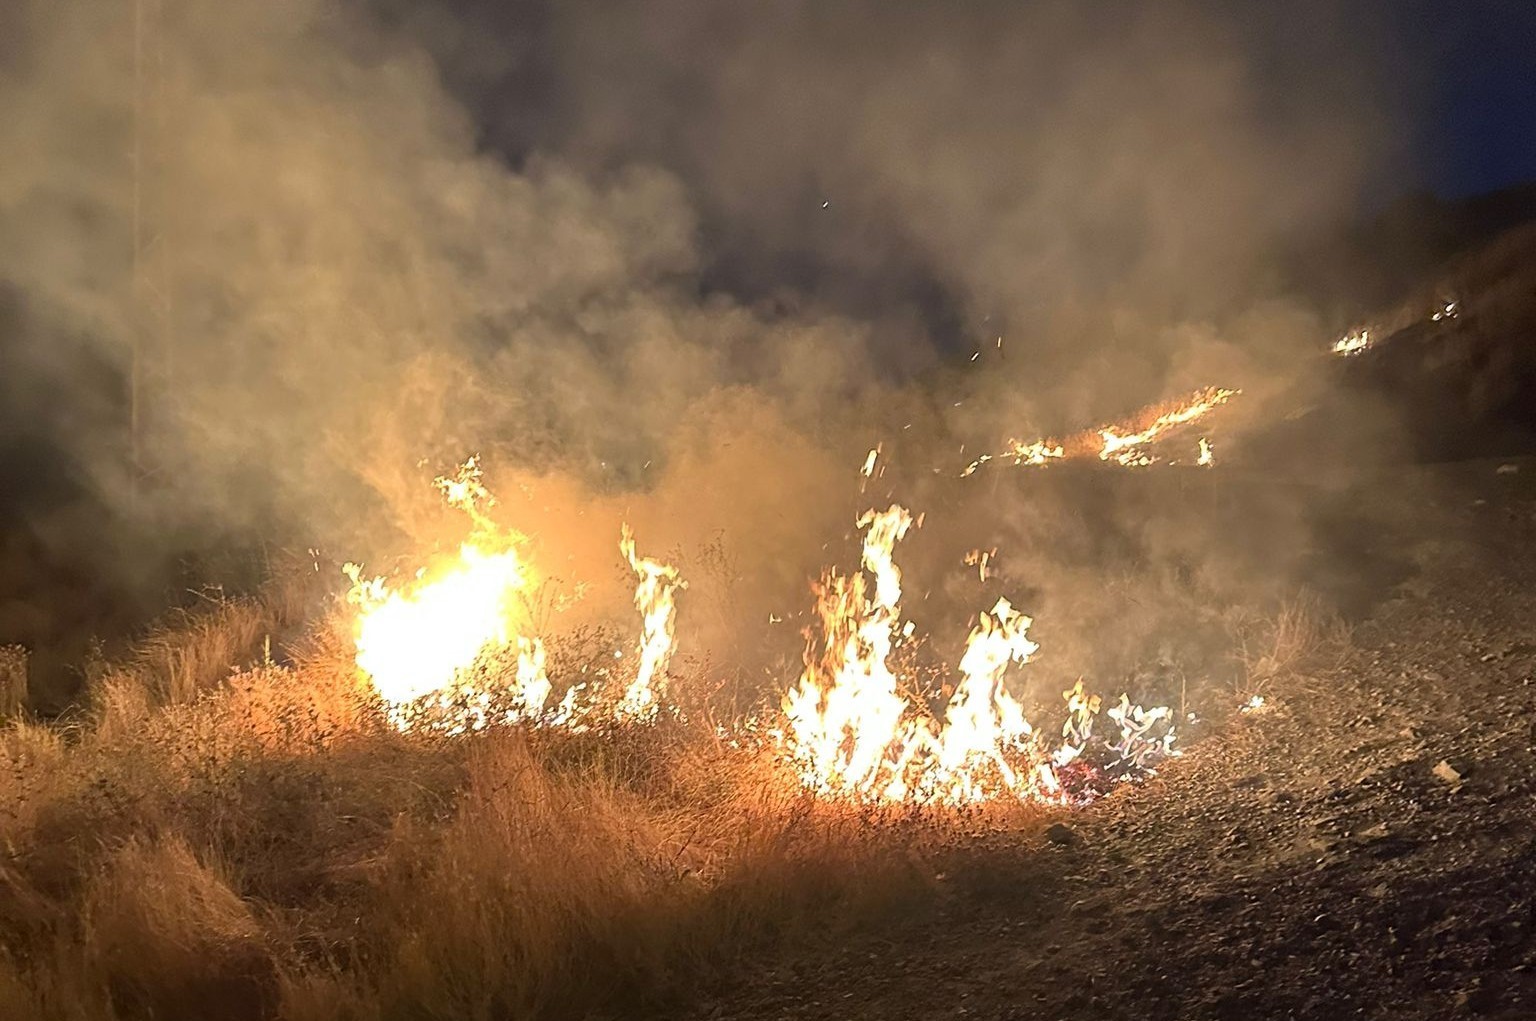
(674,262)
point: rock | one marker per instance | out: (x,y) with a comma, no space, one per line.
(1445,771)
(1061,834)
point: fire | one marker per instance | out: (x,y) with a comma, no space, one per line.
(422,642)
(656,599)
(869,463)
(1038,452)
(415,640)
(1126,447)
(1123,443)
(851,733)
(849,730)
(984,730)
(846,717)
(1207,455)
(981,559)
(1352,343)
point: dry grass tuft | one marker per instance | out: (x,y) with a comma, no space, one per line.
(1304,637)
(169,938)
(197,650)
(13,681)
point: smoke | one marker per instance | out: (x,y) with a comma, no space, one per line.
(669,261)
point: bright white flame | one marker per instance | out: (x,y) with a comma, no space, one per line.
(415,640)
(1352,343)
(656,599)
(851,733)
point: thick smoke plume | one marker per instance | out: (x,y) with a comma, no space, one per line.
(674,262)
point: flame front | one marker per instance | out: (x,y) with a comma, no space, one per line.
(851,733)
(1126,447)
(1122,443)
(1352,343)
(984,726)
(433,642)
(845,719)
(415,640)
(849,730)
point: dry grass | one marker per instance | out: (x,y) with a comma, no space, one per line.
(1303,638)
(261,839)
(271,846)
(199,648)
(13,681)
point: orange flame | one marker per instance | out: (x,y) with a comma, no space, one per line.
(850,733)
(1123,443)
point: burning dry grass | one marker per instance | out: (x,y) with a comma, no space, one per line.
(276,847)
(271,840)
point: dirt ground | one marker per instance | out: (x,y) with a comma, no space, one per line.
(1364,847)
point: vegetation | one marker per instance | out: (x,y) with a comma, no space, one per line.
(271,847)
(262,843)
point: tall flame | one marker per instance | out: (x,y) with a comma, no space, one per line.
(984,725)
(846,717)
(851,733)
(656,599)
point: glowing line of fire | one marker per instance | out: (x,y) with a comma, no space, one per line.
(848,731)
(1360,340)
(1122,443)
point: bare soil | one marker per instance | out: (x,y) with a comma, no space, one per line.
(1308,861)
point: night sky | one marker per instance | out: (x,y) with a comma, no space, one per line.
(1455,80)
(1478,132)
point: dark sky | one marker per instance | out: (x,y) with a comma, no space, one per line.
(1479,128)
(1463,72)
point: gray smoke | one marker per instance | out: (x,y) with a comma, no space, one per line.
(676,262)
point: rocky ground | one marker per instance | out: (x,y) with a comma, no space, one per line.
(1362,847)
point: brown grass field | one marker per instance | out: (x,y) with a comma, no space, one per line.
(260,842)
(265,842)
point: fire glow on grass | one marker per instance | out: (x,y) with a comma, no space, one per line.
(851,733)
(1123,443)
